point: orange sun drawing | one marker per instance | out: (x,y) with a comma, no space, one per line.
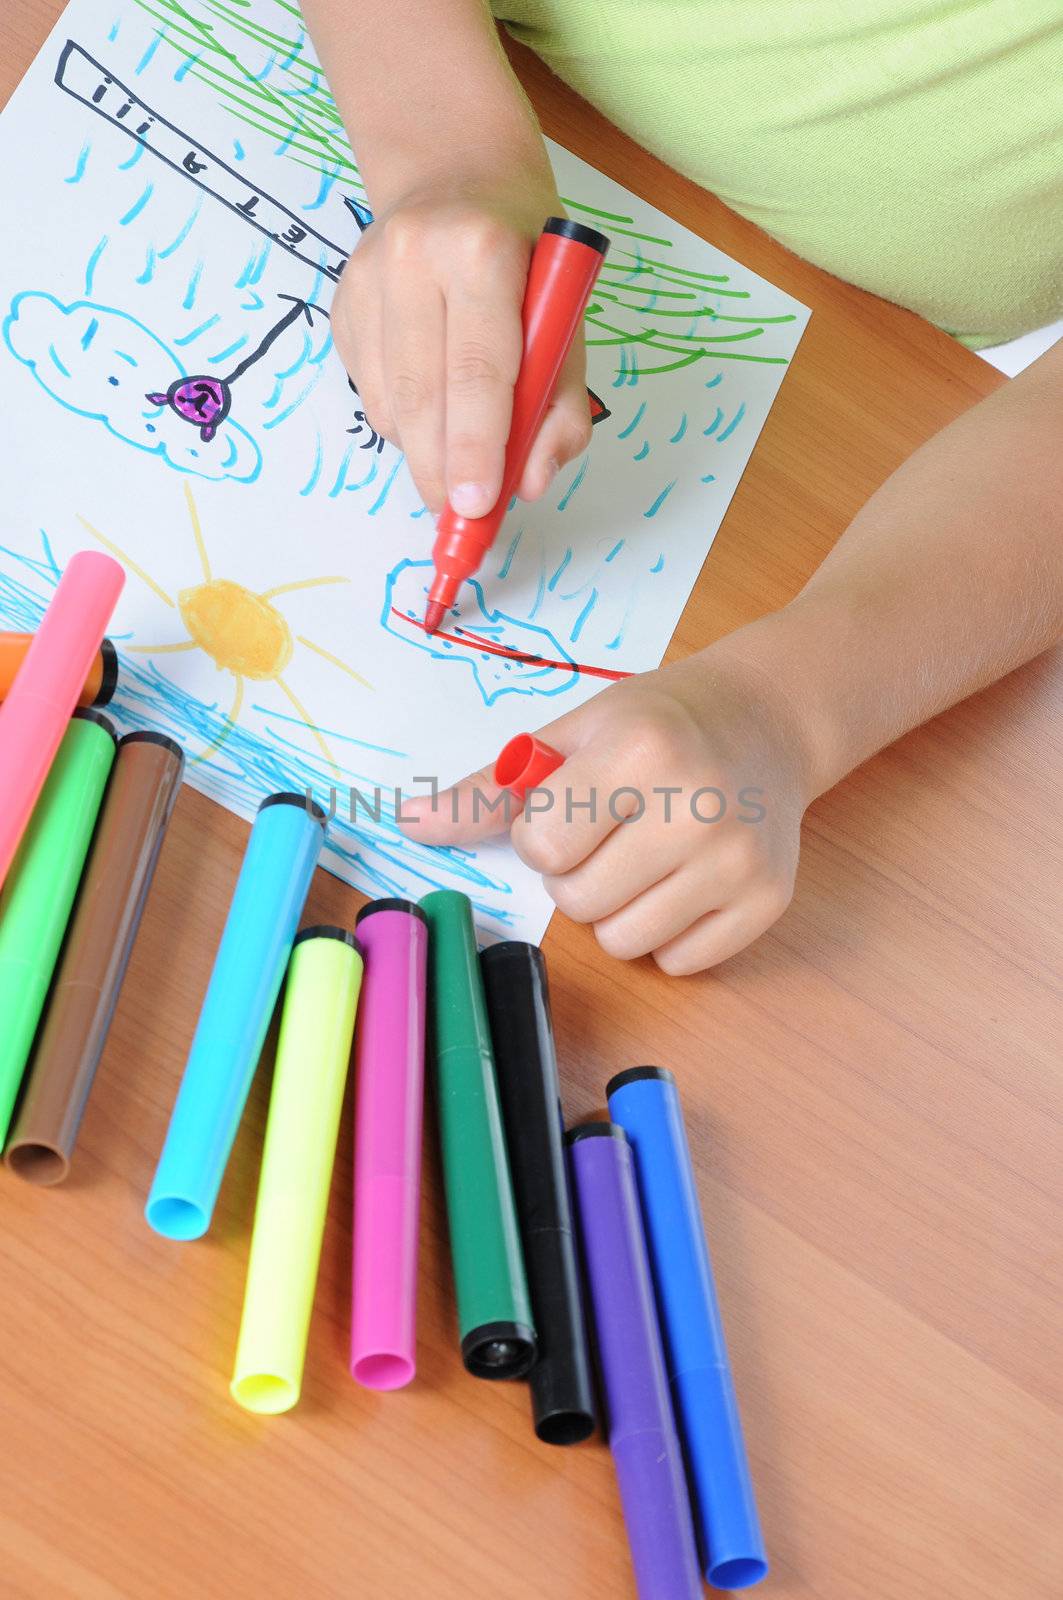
(242,632)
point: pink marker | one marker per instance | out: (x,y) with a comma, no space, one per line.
(47,686)
(389,1054)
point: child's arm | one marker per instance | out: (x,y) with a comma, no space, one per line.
(950,576)
(427,314)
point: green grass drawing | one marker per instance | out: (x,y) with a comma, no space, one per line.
(267,78)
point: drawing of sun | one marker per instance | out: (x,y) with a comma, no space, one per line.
(241,631)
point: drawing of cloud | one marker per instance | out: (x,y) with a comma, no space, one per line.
(470,626)
(101,363)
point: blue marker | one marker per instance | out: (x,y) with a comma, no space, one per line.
(274,879)
(645,1103)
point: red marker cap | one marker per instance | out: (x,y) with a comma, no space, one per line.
(524,763)
(564,265)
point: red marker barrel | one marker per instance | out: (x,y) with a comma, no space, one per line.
(564,265)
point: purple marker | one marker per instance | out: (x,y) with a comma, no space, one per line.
(642,1430)
(389,1052)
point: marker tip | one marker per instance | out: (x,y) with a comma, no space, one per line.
(434,614)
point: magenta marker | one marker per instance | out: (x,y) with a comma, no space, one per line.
(37,711)
(389,1055)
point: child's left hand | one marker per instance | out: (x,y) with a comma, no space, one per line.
(692,875)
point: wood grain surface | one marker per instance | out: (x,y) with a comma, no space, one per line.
(874,1099)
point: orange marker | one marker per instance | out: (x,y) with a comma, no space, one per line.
(564,265)
(99,685)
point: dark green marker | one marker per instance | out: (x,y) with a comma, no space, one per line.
(494,1309)
(40,889)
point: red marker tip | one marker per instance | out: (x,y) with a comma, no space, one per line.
(435,611)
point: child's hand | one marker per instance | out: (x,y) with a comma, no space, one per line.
(427,320)
(670,881)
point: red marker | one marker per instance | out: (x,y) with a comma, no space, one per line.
(564,265)
(524,763)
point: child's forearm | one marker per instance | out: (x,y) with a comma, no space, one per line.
(425,92)
(950,576)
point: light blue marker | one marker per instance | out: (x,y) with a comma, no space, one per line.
(274,879)
(644,1102)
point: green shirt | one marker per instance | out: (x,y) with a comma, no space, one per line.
(913,147)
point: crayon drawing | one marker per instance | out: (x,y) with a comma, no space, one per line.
(174,396)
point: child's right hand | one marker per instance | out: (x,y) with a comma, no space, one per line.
(427,320)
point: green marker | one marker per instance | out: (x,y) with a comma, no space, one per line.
(40,888)
(494,1309)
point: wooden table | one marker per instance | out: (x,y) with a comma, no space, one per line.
(873,1093)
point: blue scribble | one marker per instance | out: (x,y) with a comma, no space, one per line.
(556,579)
(315,471)
(503,571)
(584,614)
(661,498)
(324,188)
(712,382)
(93,263)
(185,229)
(733,424)
(679,432)
(238,150)
(137,207)
(187,338)
(255,303)
(282,416)
(149,52)
(290,137)
(615,551)
(149,267)
(131,161)
(633,424)
(215,357)
(113,33)
(79,168)
(386,487)
(574,485)
(186,67)
(640,455)
(710,477)
(193,285)
(658,565)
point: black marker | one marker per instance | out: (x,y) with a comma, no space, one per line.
(518,1006)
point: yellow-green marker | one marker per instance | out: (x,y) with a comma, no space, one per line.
(40,889)
(313,1051)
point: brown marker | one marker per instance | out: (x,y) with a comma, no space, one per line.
(99,685)
(137,807)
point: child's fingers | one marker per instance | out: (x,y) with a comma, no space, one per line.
(358,328)
(484,345)
(414,353)
(474,809)
(720,934)
(566,429)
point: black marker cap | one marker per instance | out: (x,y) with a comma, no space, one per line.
(327,930)
(90,714)
(633,1074)
(411,908)
(286,798)
(578,231)
(109,676)
(518,1008)
(499,1350)
(596,1130)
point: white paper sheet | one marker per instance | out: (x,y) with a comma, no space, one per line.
(179,200)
